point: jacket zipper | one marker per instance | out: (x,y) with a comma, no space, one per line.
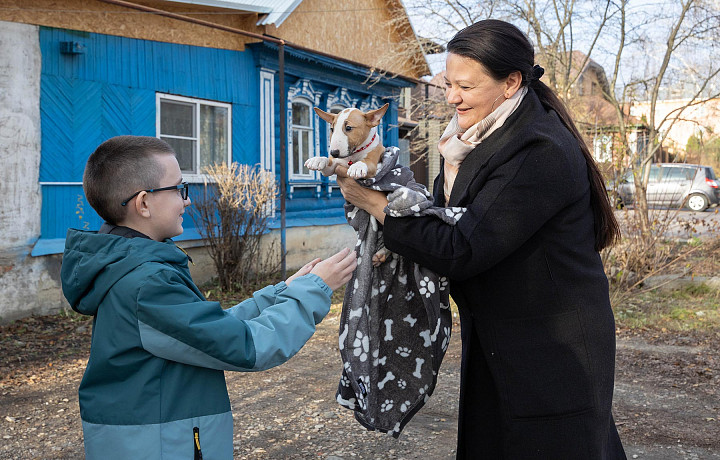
(196,444)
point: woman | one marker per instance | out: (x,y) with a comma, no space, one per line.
(538,333)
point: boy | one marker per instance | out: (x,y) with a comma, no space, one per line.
(154,385)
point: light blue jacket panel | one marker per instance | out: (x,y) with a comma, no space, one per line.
(159,347)
(166,441)
(279,321)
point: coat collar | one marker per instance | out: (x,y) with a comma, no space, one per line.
(497,143)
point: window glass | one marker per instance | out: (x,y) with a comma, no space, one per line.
(177,118)
(302,140)
(301,114)
(296,152)
(654,174)
(213,134)
(185,150)
(305,151)
(198,131)
(677,174)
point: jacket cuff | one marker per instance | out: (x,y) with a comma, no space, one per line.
(319,281)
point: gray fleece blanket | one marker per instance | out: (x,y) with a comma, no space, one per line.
(395,322)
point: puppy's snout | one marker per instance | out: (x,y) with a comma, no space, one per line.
(335,153)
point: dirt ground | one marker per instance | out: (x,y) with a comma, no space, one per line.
(667,404)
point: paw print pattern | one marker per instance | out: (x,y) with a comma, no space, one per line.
(443,283)
(409,295)
(361,345)
(402,384)
(405,406)
(403,351)
(344,381)
(427,287)
(387,405)
(455,213)
(380,289)
(446,339)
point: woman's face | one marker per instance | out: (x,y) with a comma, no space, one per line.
(473,92)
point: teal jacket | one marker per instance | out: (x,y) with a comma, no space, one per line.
(154,384)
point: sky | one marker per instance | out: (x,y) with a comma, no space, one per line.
(649,22)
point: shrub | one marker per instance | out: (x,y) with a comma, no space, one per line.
(231,216)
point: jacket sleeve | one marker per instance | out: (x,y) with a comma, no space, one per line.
(260,333)
(518,198)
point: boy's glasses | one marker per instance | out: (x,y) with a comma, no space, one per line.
(183,187)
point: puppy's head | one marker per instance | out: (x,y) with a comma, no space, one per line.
(350,128)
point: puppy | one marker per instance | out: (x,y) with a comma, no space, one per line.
(355,147)
(355,150)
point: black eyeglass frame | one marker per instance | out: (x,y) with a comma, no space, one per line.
(183,186)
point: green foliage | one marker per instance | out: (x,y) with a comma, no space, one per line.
(691,307)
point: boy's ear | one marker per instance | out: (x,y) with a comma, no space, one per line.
(141,204)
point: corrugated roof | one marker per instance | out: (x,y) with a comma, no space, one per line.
(272,11)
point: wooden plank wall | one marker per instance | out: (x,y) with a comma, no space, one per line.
(353,29)
(110,89)
(101,17)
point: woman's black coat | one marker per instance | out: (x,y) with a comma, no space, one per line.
(538,333)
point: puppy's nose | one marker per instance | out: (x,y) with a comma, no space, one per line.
(335,153)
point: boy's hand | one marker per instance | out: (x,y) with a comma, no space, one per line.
(304,270)
(336,270)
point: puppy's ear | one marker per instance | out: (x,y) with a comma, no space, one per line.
(329,117)
(373,117)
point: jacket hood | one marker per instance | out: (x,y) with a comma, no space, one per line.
(92,263)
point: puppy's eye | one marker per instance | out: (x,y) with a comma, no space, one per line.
(348,128)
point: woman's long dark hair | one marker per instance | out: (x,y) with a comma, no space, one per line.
(502,49)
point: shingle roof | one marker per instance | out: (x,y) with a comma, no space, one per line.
(271,11)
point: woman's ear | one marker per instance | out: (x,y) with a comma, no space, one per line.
(512,84)
(141,204)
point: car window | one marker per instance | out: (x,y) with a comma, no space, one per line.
(709,173)
(678,174)
(654,174)
(673,174)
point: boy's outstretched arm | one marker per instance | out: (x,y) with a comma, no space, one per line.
(175,324)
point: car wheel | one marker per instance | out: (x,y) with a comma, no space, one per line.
(697,202)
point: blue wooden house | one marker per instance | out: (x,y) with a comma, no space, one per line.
(212,104)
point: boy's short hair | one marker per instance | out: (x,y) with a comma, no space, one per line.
(119,167)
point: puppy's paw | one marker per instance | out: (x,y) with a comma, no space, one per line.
(357,170)
(380,257)
(316,163)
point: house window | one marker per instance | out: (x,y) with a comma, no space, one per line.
(302,139)
(198,131)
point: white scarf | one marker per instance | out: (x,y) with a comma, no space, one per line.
(455,144)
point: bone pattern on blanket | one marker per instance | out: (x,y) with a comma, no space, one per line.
(397,308)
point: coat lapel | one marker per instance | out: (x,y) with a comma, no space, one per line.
(498,143)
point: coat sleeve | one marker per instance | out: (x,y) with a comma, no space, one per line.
(518,198)
(258,334)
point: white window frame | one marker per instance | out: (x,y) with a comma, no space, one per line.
(194,177)
(311,175)
(303,92)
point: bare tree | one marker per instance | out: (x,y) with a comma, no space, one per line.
(644,54)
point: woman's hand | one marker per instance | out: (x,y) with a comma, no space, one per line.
(336,270)
(372,201)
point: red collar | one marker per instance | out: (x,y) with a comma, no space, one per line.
(366,145)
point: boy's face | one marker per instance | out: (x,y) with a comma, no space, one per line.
(167,206)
